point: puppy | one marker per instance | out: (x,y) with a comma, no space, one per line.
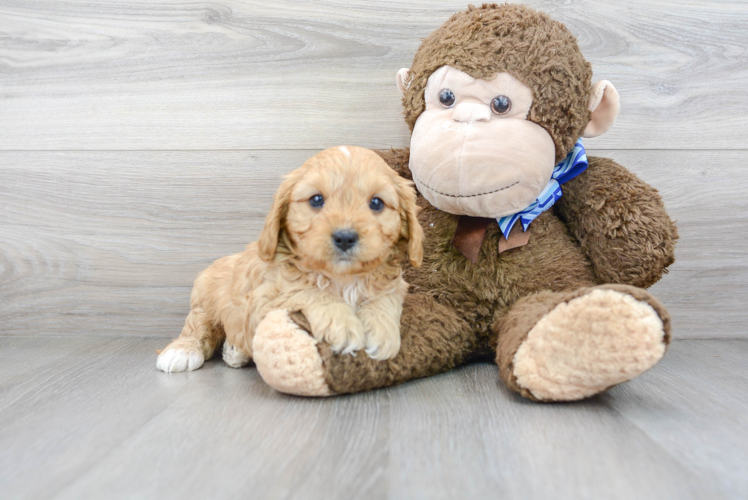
(339,229)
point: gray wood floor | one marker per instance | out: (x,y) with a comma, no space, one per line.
(91,417)
(141,140)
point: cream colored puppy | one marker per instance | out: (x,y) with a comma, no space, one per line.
(332,247)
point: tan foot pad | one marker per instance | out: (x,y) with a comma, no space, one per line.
(287,357)
(588,344)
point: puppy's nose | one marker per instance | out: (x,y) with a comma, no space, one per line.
(345,239)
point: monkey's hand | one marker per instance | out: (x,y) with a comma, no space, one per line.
(620,223)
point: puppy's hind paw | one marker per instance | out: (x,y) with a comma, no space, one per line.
(234,357)
(182,355)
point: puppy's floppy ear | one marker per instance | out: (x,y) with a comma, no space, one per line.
(411,228)
(268,240)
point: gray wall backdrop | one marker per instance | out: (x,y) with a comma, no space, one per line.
(141,140)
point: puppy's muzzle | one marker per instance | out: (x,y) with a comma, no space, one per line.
(345,239)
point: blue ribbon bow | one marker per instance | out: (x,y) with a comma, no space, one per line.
(574,164)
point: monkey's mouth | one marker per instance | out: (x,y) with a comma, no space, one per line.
(486,193)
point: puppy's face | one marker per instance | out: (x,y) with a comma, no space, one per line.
(344,211)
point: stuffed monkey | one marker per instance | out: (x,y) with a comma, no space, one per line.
(536,256)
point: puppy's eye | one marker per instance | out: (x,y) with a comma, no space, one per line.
(317,201)
(447,98)
(501,104)
(376,204)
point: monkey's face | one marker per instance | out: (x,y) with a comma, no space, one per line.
(473,151)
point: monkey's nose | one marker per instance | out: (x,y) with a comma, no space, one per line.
(345,239)
(471,112)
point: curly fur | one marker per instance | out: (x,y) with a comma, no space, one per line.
(352,298)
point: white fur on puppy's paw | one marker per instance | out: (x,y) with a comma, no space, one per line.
(287,357)
(172,360)
(235,358)
(588,344)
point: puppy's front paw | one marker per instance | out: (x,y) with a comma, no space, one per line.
(182,355)
(338,326)
(382,338)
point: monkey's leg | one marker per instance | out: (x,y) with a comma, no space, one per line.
(565,346)
(195,344)
(433,340)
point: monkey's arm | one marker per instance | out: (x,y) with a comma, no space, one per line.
(620,222)
(434,339)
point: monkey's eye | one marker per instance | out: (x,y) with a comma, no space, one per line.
(447,98)
(317,201)
(376,204)
(501,105)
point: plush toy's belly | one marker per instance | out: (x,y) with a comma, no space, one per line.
(552,260)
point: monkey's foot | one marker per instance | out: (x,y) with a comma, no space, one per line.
(585,345)
(287,357)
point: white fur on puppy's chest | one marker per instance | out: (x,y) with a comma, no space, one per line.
(354,292)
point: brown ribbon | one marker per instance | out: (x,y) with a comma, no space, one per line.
(517,238)
(471,231)
(469,236)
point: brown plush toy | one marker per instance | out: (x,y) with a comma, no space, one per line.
(535,256)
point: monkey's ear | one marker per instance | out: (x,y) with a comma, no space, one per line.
(604,107)
(403,79)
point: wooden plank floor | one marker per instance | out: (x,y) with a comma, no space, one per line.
(91,417)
